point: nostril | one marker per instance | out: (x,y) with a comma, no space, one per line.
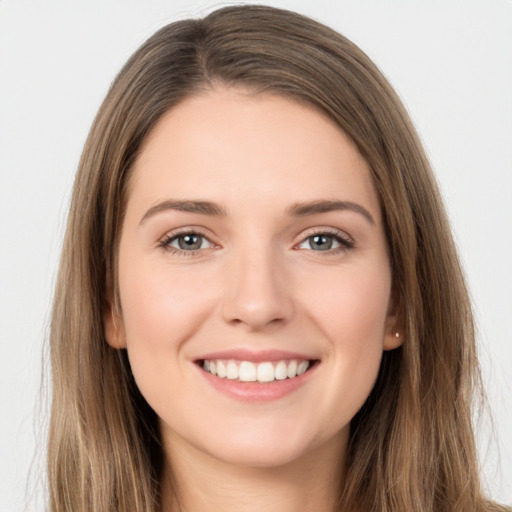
(256,298)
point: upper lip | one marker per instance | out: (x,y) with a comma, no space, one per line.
(254,356)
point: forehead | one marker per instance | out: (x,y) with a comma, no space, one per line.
(233,146)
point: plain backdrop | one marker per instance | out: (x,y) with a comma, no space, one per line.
(450,61)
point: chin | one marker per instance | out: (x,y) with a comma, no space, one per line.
(260,457)
(265,447)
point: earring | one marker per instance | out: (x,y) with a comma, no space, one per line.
(397,334)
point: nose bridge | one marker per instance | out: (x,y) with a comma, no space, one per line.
(257,292)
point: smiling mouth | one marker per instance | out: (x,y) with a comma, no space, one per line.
(262,372)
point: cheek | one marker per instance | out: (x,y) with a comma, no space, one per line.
(354,305)
(161,311)
(162,307)
(352,313)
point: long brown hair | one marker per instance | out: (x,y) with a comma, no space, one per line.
(412,444)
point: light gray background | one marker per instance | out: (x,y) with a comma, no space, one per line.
(451,62)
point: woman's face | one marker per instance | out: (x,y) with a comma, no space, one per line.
(254,279)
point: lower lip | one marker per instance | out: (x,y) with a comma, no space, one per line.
(258,391)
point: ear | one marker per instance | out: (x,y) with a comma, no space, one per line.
(113,324)
(393,331)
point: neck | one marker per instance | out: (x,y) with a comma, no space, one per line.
(199,482)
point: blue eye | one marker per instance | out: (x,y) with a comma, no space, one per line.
(323,242)
(187,242)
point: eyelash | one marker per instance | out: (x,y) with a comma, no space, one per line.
(345,242)
(166,241)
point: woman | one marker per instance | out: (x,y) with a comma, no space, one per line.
(259,305)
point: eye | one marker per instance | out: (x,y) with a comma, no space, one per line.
(185,242)
(326,241)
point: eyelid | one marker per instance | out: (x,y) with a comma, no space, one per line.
(345,240)
(164,241)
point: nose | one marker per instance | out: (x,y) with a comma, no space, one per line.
(258,292)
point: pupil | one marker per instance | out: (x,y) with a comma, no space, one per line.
(321,242)
(189,242)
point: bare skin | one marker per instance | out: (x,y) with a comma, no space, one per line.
(309,484)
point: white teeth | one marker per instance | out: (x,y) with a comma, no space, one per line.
(247,371)
(292,369)
(265,372)
(221,369)
(280,371)
(232,370)
(302,367)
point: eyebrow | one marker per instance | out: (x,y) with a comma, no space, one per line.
(202,207)
(314,207)
(296,210)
